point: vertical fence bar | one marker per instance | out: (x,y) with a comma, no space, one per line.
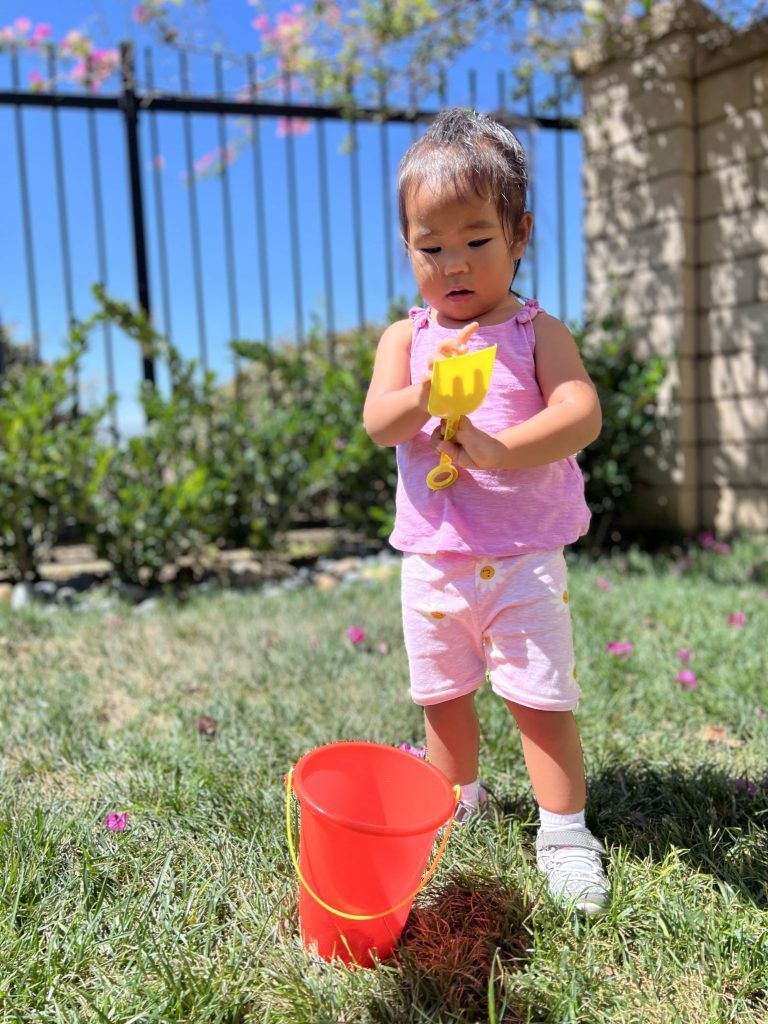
(413,107)
(325,225)
(157,178)
(290,154)
(532,188)
(130,108)
(61,203)
(385,193)
(101,251)
(26,216)
(2,348)
(473,88)
(258,190)
(559,161)
(357,223)
(61,198)
(229,246)
(194,223)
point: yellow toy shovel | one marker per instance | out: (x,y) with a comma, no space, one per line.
(459,385)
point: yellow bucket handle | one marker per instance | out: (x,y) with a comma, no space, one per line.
(341,913)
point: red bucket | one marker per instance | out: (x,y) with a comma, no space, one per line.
(369,817)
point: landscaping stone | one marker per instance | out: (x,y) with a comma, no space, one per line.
(21,596)
(325,581)
(6,589)
(44,590)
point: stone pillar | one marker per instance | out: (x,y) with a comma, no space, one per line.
(675,175)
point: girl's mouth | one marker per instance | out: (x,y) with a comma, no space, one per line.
(457,294)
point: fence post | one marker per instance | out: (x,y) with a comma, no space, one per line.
(130,108)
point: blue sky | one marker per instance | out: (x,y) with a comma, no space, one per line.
(107,21)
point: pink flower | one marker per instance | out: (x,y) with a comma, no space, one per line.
(603,584)
(356,634)
(116,822)
(706,540)
(620,648)
(416,751)
(761,713)
(261,24)
(41,33)
(22,26)
(142,14)
(687,678)
(722,548)
(684,655)
(314,643)
(36,81)
(737,619)
(292,126)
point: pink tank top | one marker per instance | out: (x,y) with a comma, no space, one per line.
(487,512)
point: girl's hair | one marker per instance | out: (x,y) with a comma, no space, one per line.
(473,153)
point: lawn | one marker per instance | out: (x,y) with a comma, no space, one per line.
(189,914)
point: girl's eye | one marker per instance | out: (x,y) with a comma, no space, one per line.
(479,242)
(431,252)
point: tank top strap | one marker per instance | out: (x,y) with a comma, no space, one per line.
(419,317)
(529,311)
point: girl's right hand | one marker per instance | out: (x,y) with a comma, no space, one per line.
(455,345)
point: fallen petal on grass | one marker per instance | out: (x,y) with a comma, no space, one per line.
(621,648)
(687,678)
(116,822)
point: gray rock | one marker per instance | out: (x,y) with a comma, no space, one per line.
(65,595)
(146,606)
(45,590)
(21,596)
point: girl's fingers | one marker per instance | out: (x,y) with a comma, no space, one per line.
(466,332)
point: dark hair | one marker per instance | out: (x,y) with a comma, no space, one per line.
(473,153)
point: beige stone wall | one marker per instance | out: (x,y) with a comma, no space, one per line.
(676,180)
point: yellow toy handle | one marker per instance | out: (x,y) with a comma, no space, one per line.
(341,913)
(445,473)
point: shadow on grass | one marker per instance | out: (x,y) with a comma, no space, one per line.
(471,930)
(718,819)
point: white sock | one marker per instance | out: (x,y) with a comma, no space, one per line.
(470,794)
(551,822)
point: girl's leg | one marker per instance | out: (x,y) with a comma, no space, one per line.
(453,738)
(553,755)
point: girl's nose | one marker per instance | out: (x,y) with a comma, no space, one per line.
(455,263)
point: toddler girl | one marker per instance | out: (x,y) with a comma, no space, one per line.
(484,583)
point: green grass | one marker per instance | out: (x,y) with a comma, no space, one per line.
(190,914)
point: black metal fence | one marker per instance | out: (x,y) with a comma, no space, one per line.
(151,252)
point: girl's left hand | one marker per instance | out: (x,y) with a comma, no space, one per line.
(470,447)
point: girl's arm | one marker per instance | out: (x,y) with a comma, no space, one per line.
(572,418)
(395,409)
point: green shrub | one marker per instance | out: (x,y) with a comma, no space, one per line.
(628,388)
(346,478)
(51,462)
(203,473)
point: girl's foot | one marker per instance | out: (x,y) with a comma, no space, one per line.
(572,861)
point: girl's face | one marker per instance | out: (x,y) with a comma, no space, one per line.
(460,256)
